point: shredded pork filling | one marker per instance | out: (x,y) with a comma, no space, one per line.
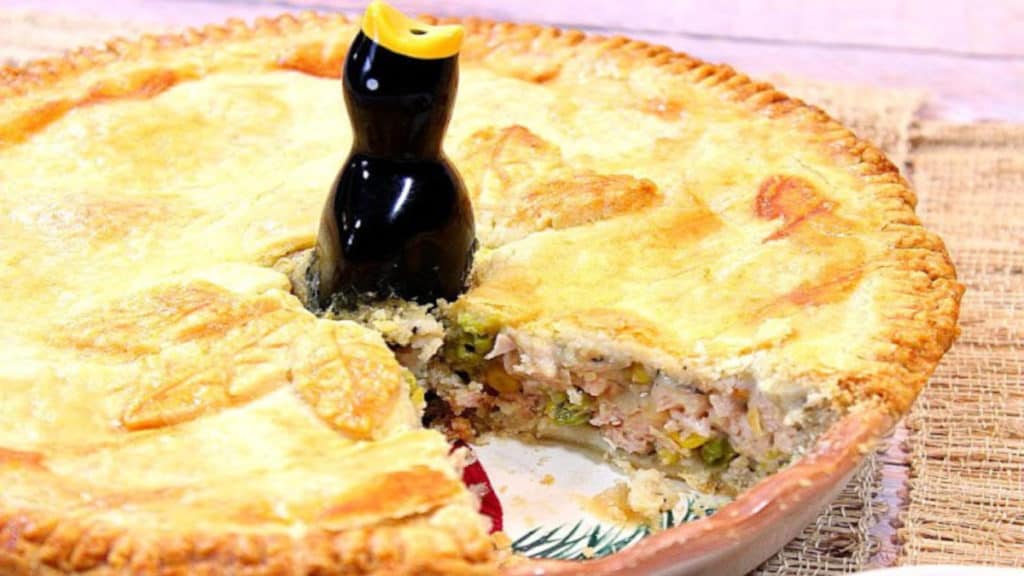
(722,435)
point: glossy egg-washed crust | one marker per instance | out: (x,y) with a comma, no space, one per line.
(415,518)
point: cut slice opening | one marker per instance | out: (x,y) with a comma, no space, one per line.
(718,434)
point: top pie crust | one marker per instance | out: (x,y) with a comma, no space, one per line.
(175,408)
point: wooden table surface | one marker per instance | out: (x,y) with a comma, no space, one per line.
(967,55)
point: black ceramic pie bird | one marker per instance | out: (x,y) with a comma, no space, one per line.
(398,221)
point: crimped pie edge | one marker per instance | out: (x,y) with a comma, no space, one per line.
(907,351)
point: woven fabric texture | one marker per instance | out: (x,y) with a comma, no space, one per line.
(967,429)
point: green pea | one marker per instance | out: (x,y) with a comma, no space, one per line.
(717,452)
(560,410)
(469,342)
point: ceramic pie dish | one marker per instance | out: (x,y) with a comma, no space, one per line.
(679,265)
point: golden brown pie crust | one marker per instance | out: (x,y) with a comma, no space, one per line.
(919,319)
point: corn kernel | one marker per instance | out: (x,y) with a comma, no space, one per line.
(639,375)
(417,395)
(500,381)
(667,457)
(692,440)
(754,419)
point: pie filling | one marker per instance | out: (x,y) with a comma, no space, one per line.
(718,435)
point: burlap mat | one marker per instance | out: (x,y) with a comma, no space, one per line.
(967,430)
(949,487)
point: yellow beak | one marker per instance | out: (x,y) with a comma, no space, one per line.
(395,31)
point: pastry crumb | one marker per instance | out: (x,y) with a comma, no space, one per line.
(650,494)
(501,540)
(462,429)
(642,499)
(547,480)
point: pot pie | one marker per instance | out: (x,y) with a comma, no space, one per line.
(682,267)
